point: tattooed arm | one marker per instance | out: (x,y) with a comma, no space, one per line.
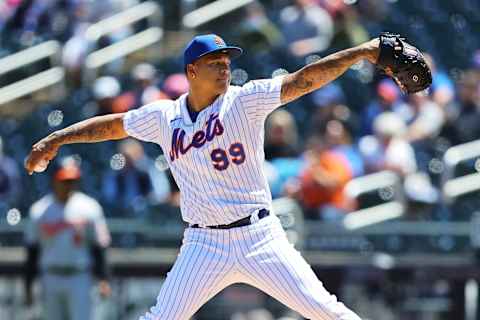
(96,129)
(318,74)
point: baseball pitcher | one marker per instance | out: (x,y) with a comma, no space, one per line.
(212,137)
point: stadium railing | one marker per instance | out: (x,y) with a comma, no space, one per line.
(460,175)
(380,197)
(211,11)
(39,81)
(148,11)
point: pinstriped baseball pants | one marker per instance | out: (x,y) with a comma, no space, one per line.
(259,255)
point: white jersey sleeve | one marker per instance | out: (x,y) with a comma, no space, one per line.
(102,234)
(144,123)
(260,97)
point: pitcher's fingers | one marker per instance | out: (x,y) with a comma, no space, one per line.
(28,165)
(32,160)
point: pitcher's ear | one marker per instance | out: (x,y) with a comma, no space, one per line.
(190,70)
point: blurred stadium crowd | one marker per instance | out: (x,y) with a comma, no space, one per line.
(357,125)
(314,147)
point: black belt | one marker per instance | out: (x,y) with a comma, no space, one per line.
(239,223)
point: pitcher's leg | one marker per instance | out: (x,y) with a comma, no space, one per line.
(279,270)
(202,270)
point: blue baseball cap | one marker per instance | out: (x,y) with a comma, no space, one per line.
(206,44)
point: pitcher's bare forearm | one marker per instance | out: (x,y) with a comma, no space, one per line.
(96,129)
(317,74)
(103,128)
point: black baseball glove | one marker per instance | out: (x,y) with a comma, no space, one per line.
(404,63)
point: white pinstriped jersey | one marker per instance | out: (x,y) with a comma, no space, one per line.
(217,161)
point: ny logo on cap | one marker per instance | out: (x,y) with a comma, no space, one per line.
(219,41)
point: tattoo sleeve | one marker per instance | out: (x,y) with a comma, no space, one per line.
(96,129)
(317,74)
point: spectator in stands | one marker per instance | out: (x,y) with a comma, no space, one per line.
(10,183)
(374,12)
(175,85)
(281,151)
(257,31)
(349,31)
(307,27)
(281,136)
(7,10)
(39,14)
(329,103)
(74,54)
(321,186)
(387,99)
(330,94)
(137,184)
(66,238)
(262,37)
(387,149)
(442,88)
(464,127)
(51,19)
(338,139)
(330,162)
(106,90)
(426,120)
(145,89)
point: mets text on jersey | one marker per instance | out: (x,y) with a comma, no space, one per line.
(213,128)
